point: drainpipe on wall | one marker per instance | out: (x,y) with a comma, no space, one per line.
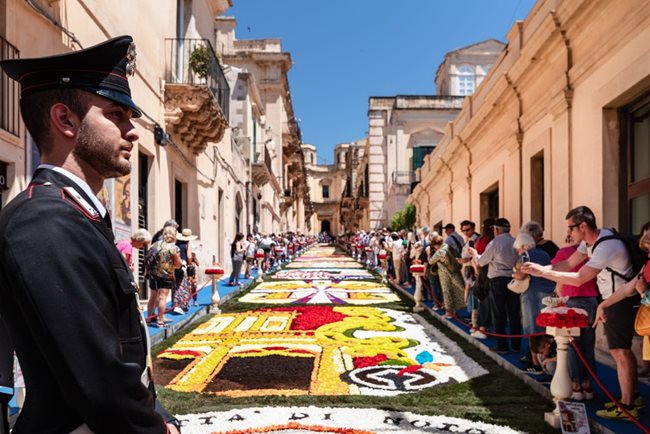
(451,189)
(519,136)
(469,173)
(428,209)
(568,97)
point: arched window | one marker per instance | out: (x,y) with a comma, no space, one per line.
(466,80)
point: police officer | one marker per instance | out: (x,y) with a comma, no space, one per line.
(67,297)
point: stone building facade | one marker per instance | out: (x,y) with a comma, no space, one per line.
(561,120)
(331,185)
(403,129)
(209,130)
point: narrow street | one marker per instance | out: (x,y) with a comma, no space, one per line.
(324,330)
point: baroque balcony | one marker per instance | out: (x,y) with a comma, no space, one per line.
(262,171)
(347,203)
(197,94)
(9,92)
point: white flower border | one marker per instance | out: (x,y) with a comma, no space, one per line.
(370,419)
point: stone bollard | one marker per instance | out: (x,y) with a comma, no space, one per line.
(561,383)
(417,270)
(562,323)
(279,253)
(215,272)
(259,257)
(383,257)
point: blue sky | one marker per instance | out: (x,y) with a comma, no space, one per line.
(345,51)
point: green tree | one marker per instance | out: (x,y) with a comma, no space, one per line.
(403,219)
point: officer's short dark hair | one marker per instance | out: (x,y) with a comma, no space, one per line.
(35,110)
(582,214)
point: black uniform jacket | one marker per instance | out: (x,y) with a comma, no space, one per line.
(67,299)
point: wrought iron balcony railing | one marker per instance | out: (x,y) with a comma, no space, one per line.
(9,92)
(194,62)
(403,177)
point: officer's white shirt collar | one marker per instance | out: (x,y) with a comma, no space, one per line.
(80,183)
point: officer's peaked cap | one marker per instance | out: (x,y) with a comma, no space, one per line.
(101,69)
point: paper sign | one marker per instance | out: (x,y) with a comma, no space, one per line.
(573,418)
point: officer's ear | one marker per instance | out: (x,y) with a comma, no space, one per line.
(64,121)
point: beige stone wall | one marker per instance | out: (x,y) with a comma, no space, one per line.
(326,208)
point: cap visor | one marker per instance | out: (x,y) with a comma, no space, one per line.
(119,98)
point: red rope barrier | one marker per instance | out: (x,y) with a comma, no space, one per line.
(469,326)
(607,392)
(575,347)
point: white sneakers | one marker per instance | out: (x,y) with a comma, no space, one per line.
(478,334)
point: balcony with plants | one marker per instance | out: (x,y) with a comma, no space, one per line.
(197,94)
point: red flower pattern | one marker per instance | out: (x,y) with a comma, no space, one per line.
(362,362)
(567,320)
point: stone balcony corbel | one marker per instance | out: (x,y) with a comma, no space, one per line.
(193,115)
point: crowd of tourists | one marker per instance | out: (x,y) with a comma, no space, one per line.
(170,264)
(500,281)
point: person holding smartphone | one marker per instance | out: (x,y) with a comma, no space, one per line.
(531,299)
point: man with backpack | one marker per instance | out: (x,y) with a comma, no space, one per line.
(611,260)
(453,239)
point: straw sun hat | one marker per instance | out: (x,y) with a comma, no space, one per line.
(186,235)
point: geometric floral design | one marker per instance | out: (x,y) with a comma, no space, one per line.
(328,350)
(324,263)
(320,292)
(320,274)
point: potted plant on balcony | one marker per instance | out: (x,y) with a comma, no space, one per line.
(199,61)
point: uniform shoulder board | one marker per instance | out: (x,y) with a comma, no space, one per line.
(81,203)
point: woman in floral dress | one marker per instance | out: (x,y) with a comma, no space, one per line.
(451,279)
(167,260)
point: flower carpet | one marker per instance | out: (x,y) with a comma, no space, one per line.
(320,292)
(313,330)
(316,350)
(329,420)
(316,274)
